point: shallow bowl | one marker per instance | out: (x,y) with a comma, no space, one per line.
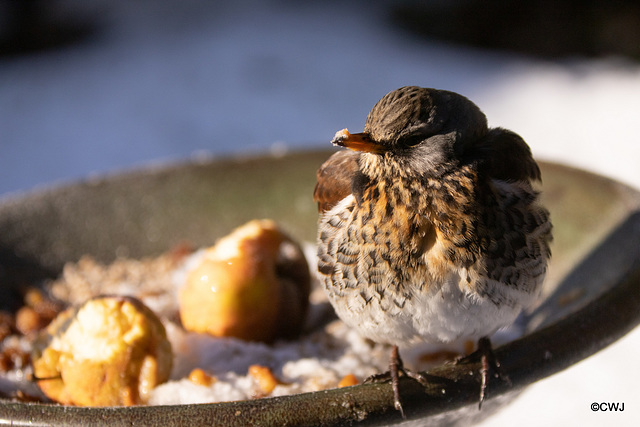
(595,271)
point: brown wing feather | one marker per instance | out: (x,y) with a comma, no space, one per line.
(509,157)
(334,179)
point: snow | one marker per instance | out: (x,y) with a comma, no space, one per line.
(165,80)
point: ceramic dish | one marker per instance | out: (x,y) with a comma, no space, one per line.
(595,272)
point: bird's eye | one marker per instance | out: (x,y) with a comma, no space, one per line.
(410,140)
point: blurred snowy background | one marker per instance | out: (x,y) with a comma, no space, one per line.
(96,86)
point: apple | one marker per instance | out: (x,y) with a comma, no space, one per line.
(253,284)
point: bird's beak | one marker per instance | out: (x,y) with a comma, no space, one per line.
(357,141)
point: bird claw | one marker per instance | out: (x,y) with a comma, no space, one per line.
(488,363)
(396,369)
(384,377)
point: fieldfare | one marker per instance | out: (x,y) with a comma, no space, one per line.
(430,228)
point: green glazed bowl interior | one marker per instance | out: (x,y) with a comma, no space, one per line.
(595,269)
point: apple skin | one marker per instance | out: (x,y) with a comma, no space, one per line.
(253,284)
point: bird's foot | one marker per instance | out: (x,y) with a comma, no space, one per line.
(396,367)
(488,363)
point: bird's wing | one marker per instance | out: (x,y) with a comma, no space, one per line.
(334,179)
(509,157)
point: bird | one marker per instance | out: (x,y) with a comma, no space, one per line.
(430,226)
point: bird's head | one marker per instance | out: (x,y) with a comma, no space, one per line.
(417,131)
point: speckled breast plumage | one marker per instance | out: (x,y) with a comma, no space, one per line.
(435,260)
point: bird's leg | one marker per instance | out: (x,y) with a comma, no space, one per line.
(488,361)
(396,367)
